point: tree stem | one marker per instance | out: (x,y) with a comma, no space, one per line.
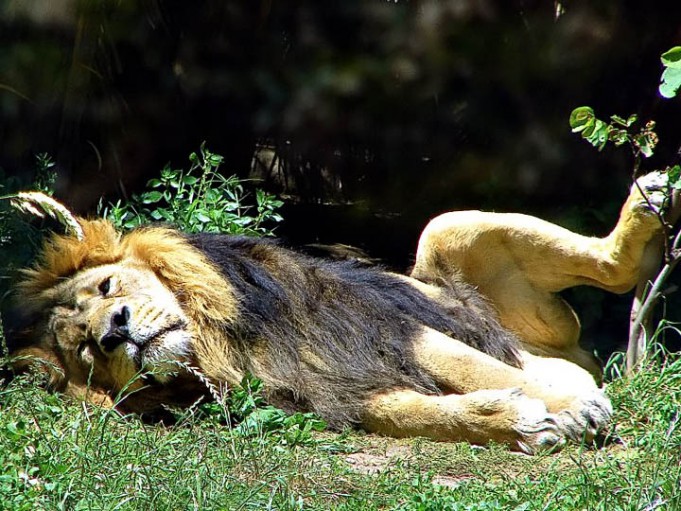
(649,286)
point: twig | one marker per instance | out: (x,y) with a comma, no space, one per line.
(649,286)
(639,334)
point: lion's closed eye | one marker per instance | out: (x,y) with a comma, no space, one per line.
(108,287)
(105,286)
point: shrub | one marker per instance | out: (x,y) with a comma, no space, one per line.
(200,199)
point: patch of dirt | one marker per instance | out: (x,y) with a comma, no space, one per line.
(368,463)
(450,465)
(452,481)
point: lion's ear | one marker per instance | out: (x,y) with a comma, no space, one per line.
(43,361)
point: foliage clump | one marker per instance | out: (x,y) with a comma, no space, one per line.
(19,239)
(245,409)
(200,199)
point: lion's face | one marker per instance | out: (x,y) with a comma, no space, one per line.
(117,327)
(113,314)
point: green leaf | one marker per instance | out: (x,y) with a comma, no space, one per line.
(602,135)
(167,173)
(201,217)
(583,120)
(151,197)
(646,150)
(672,57)
(616,119)
(674,174)
(212,195)
(645,144)
(581,117)
(214,159)
(618,136)
(597,133)
(671,82)
(619,120)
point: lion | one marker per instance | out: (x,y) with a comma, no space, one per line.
(474,345)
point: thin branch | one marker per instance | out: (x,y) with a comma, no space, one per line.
(648,291)
(639,336)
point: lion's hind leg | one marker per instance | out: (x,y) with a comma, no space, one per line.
(520,262)
(501,416)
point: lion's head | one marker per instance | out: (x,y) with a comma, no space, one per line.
(116,315)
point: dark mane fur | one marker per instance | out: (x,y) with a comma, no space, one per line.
(329,333)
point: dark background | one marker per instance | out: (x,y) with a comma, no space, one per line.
(381,114)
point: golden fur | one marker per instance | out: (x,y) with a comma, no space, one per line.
(203,294)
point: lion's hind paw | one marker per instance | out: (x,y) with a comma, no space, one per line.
(655,186)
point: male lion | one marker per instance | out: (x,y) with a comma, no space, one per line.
(474,346)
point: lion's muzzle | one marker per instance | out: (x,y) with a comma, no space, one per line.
(141,333)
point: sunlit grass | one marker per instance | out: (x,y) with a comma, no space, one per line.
(59,454)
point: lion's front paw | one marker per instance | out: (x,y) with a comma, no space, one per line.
(509,416)
(537,429)
(588,416)
(655,186)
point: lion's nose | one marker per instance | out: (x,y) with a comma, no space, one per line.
(120,319)
(118,330)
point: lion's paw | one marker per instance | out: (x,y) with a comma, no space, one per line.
(537,429)
(655,186)
(588,416)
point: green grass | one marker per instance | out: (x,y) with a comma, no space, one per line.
(59,454)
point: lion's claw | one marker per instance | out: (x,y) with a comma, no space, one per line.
(587,417)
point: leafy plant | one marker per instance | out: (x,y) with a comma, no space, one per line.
(245,408)
(43,181)
(46,174)
(200,199)
(642,143)
(598,133)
